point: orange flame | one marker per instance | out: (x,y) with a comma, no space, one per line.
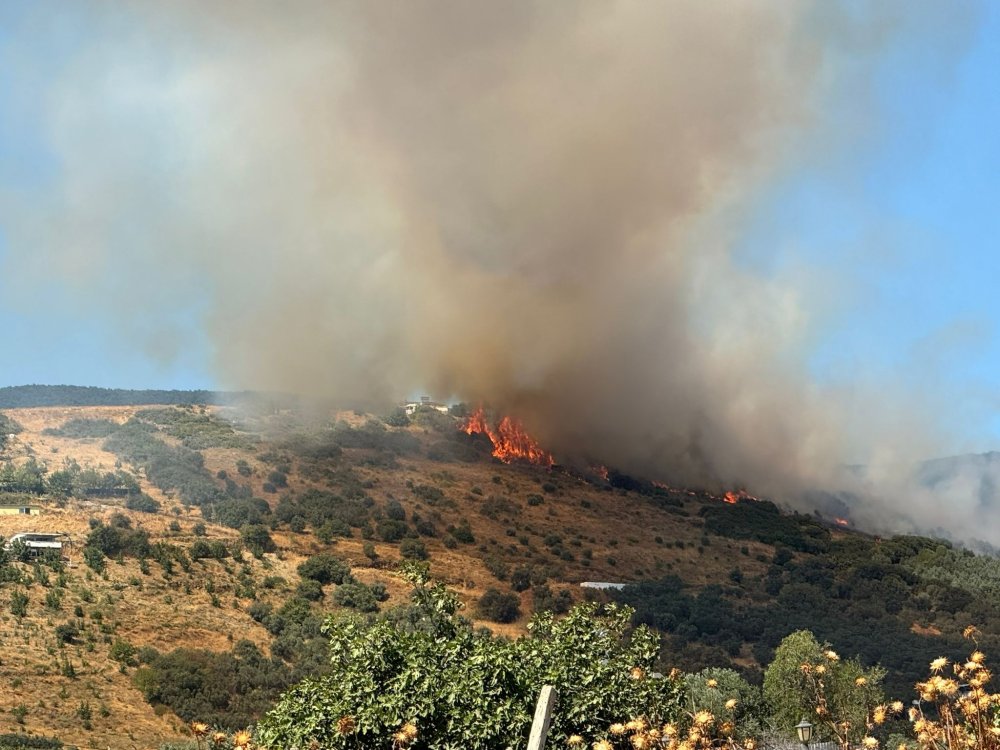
(510,441)
(732,497)
(841,522)
(601,470)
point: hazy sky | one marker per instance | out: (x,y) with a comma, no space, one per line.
(901,212)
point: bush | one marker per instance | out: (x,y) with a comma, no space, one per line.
(143,503)
(397,418)
(413,549)
(325,569)
(17,741)
(462,533)
(428,493)
(123,652)
(497,606)
(94,559)
(228,690)
(67,632)
(257,539)
(356,596)
(310,589)
(389,530)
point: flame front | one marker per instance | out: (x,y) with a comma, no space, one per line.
(510,441)
(841,522)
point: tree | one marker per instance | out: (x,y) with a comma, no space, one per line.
(398,418)
(711,689)
(809,679)
(497,606)
(257,539)
(325,568)
(464,688)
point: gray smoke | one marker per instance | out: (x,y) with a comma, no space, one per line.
(531,204)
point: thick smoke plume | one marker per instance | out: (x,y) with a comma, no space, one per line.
(531,204)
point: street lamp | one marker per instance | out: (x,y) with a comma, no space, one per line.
(805,731)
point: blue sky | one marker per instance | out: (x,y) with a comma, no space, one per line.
(909,228)
(910,231)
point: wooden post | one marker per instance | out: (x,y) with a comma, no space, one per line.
(543,717)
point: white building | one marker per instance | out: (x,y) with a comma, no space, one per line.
(38,543)
(602,585)
(425,401)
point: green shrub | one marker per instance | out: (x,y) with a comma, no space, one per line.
(123,652)
(142,502)
(497,606)
(389,530)
(257,539)
(356,596)
(310,589)
(17,741)
(67,632)
(19,604)
(325,569)
(413,549)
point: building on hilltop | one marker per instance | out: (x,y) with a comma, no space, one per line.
(410,407)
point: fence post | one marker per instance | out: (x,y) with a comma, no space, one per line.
(543,717)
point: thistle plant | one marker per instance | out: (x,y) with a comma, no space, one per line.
(957,712)
(696,730)
(847,701)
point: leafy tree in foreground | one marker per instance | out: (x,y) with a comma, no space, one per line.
(807,679)
(449,686)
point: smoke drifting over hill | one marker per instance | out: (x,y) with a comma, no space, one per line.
(529,204)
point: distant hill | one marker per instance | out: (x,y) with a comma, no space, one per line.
(982,469)
(33,396)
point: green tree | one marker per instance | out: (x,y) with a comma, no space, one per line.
(711,689)
(398,418)
(467,689)
(19,604)
(497,606)
(809,679)
(257,539)
(325,568)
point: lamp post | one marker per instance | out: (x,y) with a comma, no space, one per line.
(805,731)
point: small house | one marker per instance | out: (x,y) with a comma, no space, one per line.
(410,407)
(20,510)
(38,543)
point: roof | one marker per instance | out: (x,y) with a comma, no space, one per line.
(38,539)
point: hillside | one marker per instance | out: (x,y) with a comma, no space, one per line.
(182,596)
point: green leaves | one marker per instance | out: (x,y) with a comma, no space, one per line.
(470,690)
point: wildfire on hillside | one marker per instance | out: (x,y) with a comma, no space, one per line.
(510,441)
(732,497)
(841,522)
(729,496)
